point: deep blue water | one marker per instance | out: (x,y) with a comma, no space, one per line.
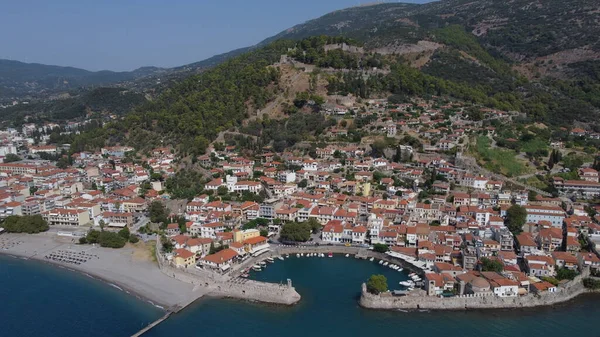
(42,300)
(330,288)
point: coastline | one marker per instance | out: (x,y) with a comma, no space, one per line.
(112,283)
(124,269)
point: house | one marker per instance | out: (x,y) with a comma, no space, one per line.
(550,239)
(199,246)
(540,265)
(67,217)
(172,229)
(589,174)
(332,232)
(503,287)
(526,244)
(183,258)
(543,286)
(221,260)
(555,215)
(565,260)
(256,245)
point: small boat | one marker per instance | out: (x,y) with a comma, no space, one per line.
(406,283)
(385,264)
(244,275)
(287,256)
(410,289)
(280,258)
(401,269)
(256,267)
(270,259)
(330,254)
(380,261)
(412,274)
(301,254)
(262,263)
(372,259)
(347,255)
(297,255)
(322,255)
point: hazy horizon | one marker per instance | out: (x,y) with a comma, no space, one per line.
(123,36)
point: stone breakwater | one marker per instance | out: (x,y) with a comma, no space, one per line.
(415,302)
(216,285)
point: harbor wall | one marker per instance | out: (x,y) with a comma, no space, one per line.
(564,293)
(216,285)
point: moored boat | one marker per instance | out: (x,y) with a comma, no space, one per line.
(372,259)
(256,267)
(330,254)
(347,255)
(281,258)
(270,259)
(385,264)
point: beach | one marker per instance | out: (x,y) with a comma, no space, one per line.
(131,269)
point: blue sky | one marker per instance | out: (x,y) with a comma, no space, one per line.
(127,34)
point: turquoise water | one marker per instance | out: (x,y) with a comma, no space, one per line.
(330,288)
(42,300)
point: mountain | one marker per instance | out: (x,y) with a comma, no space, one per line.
(550,38)
(19,79)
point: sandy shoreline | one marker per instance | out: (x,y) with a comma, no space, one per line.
(126,269)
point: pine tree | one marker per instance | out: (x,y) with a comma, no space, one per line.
(551,161)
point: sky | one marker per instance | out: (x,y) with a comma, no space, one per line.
(123,35)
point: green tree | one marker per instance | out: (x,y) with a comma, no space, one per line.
(297,232)
(264,232)
(158,212)
(303,183)
(314,225)
(531,195)
(222,190)
(377,284)
(29,224)
(565,274)
(491,265)
(10,158)
(515,218)
(124,233)
(380,248)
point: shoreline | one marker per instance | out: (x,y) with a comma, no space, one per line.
(130,269)
(111,283)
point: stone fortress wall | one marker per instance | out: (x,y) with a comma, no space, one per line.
(564,293)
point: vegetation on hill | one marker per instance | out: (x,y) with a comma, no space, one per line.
(25,224)
(31,78)
(116,101)
(193,112)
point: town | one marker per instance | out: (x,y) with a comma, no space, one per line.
(427,183)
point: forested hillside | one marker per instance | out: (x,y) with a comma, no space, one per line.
(101,100)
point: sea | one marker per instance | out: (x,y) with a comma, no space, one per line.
(43,300)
